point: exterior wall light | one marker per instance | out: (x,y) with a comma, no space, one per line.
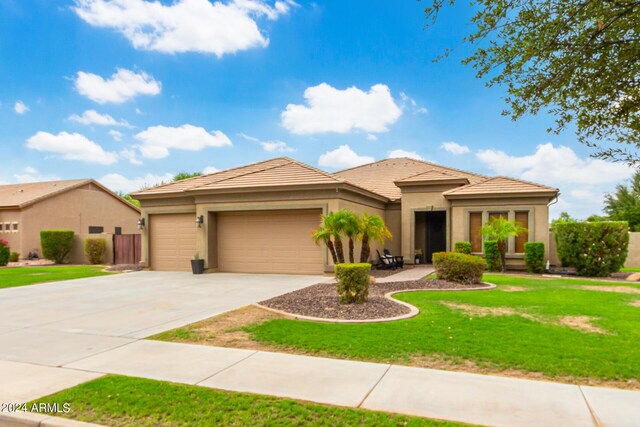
(199,221)
(141,224)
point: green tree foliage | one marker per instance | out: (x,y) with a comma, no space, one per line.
(352,282)
(351,226)
(594,248)
(373,228)
(94,249)
(129,199)
(500,229)
(624,203)
(458,267)
(5,252)
(56,244)
(578,60)
(185,175)
(492,255)
(462,247)
(564,217)
(534,257)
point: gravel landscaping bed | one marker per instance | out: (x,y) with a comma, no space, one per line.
(387,273)
(322,300)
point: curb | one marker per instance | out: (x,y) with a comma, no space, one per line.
(32,419)
(412,313)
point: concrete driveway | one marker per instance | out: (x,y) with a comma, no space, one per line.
(58,323)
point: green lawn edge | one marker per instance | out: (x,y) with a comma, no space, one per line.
(120,401)
(11,277)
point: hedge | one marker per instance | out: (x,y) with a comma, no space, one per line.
(5,252)
(94,250)
(492,255)
(595,249)
(14,257)
(534,257)
(353,282)
(56,244)
(458,267)
(462,247)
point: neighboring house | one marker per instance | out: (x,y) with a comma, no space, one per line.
(82,205)
(259,217)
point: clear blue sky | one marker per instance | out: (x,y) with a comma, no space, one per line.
(129,92)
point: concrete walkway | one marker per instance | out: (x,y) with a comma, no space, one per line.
(477,399)
(408,274)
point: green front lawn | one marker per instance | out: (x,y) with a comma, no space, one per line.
(630,269)
(556,327)
(123,401)
(22,276)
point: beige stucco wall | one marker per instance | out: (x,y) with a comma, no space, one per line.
(359,209)
(393,219)
(10,217)
(538,220)
(75,210)
(633,259)
(77,255)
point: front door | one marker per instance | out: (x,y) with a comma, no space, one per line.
(436,233)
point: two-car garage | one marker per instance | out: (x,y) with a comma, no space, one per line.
(267,241)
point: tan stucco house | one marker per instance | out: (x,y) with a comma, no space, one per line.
(259,217)
(82,205)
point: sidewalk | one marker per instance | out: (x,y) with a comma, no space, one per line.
(472,398)
(415,273)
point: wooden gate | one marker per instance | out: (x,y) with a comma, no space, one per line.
(127,248)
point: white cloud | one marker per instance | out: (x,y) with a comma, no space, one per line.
(117,182)
(210,169)
(92,117)
(454,148)
(116,135)
(270,146)
(329,109)
(71,146)
(404,153)
(411,104)
(156,141)
(371,137)
(131,155)
(582,181)
(20,108)
(122,86)
(185,25)
(31,174)
(343,157)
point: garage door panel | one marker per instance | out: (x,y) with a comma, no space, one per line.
(172,241)
(269,242)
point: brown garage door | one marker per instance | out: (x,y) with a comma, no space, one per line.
(172,241)
(269,242)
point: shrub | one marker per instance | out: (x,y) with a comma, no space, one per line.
(595,249)
(56,244)
(492,255)
(14,257)
(353,282)
(457,267)
(462,248)
(534,257)
(5,252)
(94,250)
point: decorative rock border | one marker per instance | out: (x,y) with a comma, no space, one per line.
(414,311)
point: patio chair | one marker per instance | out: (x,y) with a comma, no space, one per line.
(399,260)
(385,262)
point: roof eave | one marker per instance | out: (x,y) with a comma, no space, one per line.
(452,196)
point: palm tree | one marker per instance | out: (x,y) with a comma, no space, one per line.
(500,229)
(372,228)
(323,234)
(349,224)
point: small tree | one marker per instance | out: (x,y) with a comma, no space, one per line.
(56,244)
(186,175)
(94,250)
(500,229)
(350,225)
(5,252)
(324,234)
(373,228)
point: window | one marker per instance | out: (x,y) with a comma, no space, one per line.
(95,230)
(118,231)
(504,215)
(1,227)
(522,218)
(15,227)
(475,231)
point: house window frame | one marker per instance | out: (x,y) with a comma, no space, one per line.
(511,216)
(90,231)
(15,228)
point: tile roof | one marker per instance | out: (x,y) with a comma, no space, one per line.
(500,185)
(281,171)
(433,175)
(18,195)
(380,177)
